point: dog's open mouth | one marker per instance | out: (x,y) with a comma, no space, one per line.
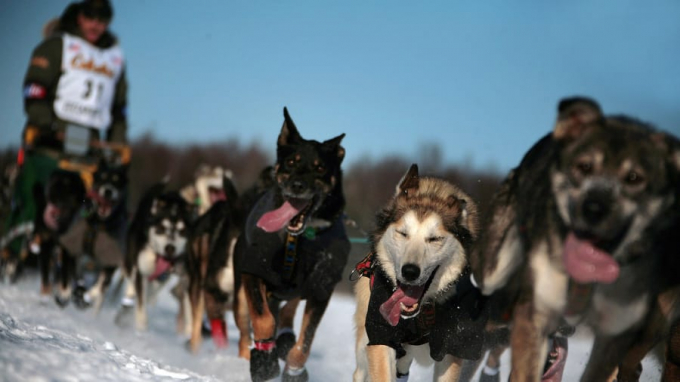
(405,302)
(51,216)
(104,207)
(587,263)
(216,194)
(162,266)
(292,215)
(557,358)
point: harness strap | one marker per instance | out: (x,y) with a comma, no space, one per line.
(578,298)
(427,316)
(290,256)
(363,268)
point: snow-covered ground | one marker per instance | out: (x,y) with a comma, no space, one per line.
(42,342)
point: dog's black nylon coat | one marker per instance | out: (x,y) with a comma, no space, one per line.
(320,261)
(458,327)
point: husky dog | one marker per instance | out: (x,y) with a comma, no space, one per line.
(207,187)
(419,290)
(293,247)
(572,234)
(156,246)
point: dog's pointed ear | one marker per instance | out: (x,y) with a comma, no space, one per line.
(334,145)
(574,115)
(467,213)
(409,182)
(229,189)
(671,146)
(289,132)
(156,205)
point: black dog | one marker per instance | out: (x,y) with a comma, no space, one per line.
(98,240)
(57,206)
(293,247)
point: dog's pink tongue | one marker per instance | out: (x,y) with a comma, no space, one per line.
(275,220)
(162,266)
(585,263)
(217,195)
(391,309)
(50,216)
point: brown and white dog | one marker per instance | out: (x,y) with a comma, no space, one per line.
(419,292)
(572,237)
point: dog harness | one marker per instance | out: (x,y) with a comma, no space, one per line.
(364,268)
(455,326)
(290,256)
(578,298)
(290,250)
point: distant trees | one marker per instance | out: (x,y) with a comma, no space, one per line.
(368,183)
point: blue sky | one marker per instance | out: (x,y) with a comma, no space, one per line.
(481,79)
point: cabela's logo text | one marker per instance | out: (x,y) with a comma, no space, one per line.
(78,62)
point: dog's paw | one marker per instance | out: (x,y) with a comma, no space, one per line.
(80,298)
(61,301)
(489,375)
(294,374)
(264,365)
(124,316)
(284,342)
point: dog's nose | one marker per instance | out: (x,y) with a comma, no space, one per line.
(410,272)
(595,208)
(170,250)
(298,186)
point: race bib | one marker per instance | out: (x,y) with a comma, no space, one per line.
(87,86)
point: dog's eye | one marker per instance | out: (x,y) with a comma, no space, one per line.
(182,231)
(434,239)
(402,233)
(584,167)
(160,230)
(290,163)
(320,169)
(633,178)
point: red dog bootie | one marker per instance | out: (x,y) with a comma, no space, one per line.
(218,329)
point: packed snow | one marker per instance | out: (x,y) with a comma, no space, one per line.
(41,342)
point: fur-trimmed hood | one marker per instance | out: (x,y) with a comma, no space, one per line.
(68,23)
